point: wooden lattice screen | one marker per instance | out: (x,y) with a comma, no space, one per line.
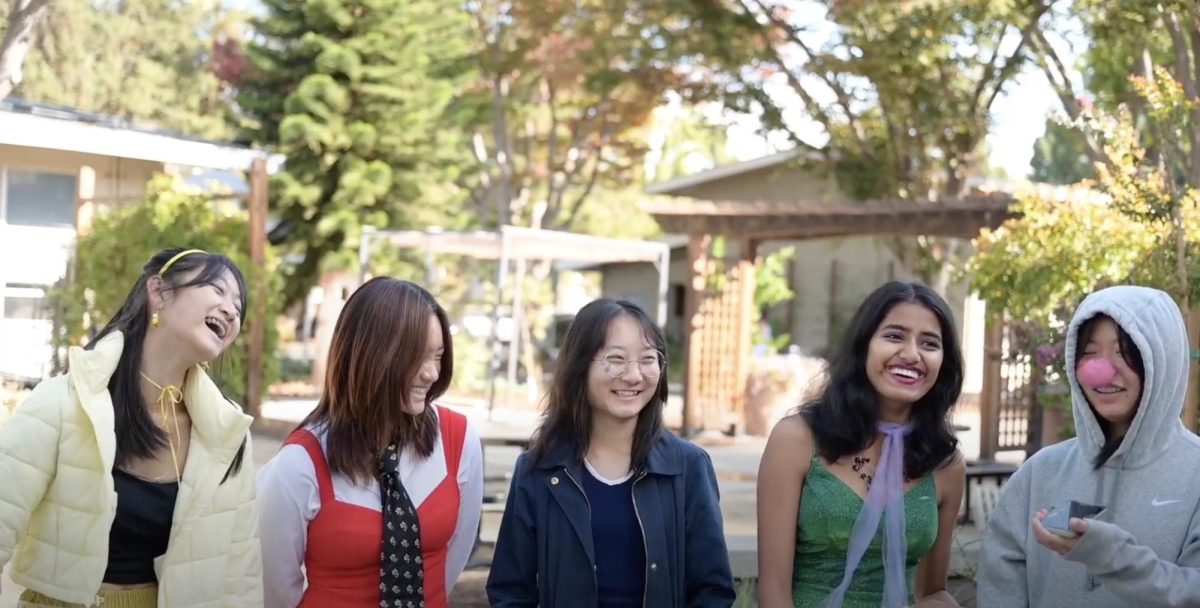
(721,312)
(1010,417)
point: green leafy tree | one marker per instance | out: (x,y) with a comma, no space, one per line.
(559,119)
(690,139)
(354,93)
(896,96)
(899,93)
(110,255)
(147,61)
(22,19)
(559,116)
(1060,155)
(1146,230)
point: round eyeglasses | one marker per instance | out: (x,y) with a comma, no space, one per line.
(616,366)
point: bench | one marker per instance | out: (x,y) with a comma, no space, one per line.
(494,502)
(979,472)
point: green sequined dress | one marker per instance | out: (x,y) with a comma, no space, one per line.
(828,508)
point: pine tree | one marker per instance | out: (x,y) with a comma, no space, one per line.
(353,93)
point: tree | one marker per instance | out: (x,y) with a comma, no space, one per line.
(565,94)
(353,93)
(691,142)
(559,119)
(1060,155)
(22,21)
(146,61)
(896,96)
(1142,40)
(1146,230)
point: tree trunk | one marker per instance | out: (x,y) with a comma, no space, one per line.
(24,17)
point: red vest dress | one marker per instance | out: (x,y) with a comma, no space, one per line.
(342,555)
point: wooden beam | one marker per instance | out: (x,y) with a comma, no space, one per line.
(258,254)
(951,223)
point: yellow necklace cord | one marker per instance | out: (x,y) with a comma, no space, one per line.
(168,398)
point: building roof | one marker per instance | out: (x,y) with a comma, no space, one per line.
(673,186)
(47,126)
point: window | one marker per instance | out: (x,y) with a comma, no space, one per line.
(25,303)
(35,198)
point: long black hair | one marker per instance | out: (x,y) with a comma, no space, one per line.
(137,434)
(1132,357)
(568,417)
(843,417)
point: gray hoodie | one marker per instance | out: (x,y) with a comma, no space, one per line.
(1144,550)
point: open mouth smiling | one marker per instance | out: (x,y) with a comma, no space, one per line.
(907,375)
(217,326)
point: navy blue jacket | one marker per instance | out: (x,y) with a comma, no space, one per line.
(544,554)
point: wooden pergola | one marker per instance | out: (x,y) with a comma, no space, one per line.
(719,309)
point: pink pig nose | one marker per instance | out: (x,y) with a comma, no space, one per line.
(1096,372)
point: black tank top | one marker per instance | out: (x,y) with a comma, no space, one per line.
(140,530)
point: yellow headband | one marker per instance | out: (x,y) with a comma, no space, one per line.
(162,271)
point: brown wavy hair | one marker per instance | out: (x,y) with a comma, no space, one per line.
(378,346)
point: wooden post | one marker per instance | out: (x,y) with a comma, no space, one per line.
(989,398)
(693,328)
(1193,384)
(792,304)
(85,199)
(258,253)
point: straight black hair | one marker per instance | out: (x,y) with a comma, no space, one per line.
(137,435)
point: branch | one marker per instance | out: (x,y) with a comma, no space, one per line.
(552,143)
(503,156)
(1002,74)
(22,26)
(582,130)
(587,190)
(1183,62)
(1056,74)
(1194,169)
(1194,11)
(1183,68)
(893,140)
(479,148)
(839,92)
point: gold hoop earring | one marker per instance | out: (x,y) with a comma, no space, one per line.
(154,319)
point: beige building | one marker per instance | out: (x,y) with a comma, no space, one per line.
(57,165)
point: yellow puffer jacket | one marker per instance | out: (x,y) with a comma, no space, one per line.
(57,500)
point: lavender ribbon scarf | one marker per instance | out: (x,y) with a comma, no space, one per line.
(885,500)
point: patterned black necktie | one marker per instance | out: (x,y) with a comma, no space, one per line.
(401,573)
